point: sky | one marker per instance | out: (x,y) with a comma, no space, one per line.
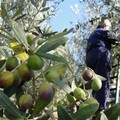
(69,13)
(67,16)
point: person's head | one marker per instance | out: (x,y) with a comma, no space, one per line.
(106,24)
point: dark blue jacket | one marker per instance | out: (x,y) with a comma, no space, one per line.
(98,48)
(101,38)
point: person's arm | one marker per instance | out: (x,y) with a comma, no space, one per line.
(112,38)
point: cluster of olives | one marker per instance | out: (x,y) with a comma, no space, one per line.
(89,76)
(15,72)
(77,95)
(8,78)
(81,94)
(45,95)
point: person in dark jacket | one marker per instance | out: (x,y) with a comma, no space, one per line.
(98,58)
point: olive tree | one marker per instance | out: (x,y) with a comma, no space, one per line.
(39,76)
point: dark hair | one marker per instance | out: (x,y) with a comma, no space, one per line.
(99,26)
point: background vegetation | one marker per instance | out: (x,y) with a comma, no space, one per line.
(23,18)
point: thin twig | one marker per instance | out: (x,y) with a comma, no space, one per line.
(50,113)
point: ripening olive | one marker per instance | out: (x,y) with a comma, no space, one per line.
(46,91)
(6,79)
(35,62)
(79,93)
(25,102)
(96,84)
(87,75)
(11,63)
(25,72)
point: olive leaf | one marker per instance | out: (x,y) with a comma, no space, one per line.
(63,114)
(86,111)
(2,62)
(3,10)
(19,11)
(113,112)
(61,84)
(20,34)
(52,44)
(51,57)
(9,106)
